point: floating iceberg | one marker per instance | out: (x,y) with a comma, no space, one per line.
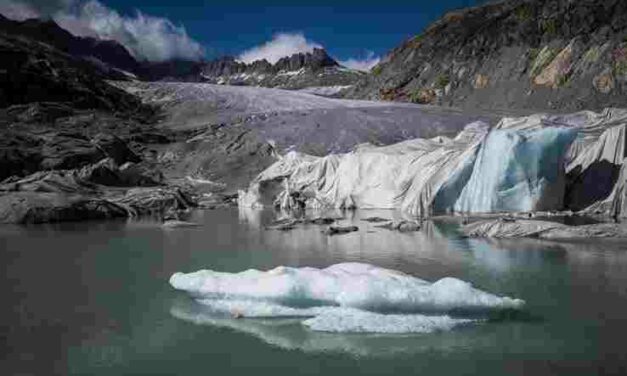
(539,162)
(349,297)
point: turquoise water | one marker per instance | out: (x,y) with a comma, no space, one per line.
(94,299)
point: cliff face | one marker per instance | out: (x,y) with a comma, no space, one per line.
(537,54)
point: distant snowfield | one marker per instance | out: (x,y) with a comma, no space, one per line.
(246,99)
(297,120)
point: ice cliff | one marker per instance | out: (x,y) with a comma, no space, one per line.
(538,162)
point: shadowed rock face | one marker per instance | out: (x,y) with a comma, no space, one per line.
(31,71)
(539,54)
(47,31)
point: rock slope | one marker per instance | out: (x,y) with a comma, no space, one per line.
(72,146)
(538,54)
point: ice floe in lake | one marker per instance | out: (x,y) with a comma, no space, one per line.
(348,297)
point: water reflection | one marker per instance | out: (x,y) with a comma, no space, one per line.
(290,334)
(387,248)
(114,292)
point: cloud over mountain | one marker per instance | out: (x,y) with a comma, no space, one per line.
(146,37)
(281,45)
(364,64)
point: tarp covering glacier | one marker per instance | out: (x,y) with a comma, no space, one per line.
(533,163)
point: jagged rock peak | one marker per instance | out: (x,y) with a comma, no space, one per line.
(228,65)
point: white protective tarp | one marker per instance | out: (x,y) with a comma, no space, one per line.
(539,162)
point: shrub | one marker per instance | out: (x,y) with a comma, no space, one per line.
(416,41)
(563,80)
(620,68)
(620,61)
(422,96)
(441,81)
(376,70)
(524,13)
(592,55)
(549,27)
(533,53)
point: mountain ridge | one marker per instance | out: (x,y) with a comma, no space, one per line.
(534,54)
(296,71)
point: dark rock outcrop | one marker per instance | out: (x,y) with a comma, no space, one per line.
(31,71)
(38,207)
(108,173)
(401,226)
(538,54)
(339,230)
(107,52)
(99,191)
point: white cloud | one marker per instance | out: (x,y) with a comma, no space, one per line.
(281,45)
(146,37)
(17,10)
(364,64)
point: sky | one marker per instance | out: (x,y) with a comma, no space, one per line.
(357,33)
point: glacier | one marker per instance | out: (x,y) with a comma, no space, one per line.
(540,162)
(347,297)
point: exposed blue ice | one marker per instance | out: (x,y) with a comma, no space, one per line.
(518,170)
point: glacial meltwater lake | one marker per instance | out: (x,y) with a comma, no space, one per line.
(94,299)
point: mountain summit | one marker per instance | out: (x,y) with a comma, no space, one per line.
(301,70)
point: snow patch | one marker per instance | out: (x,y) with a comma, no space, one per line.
(325,91)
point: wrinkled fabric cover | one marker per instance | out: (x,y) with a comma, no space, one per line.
(539,162)
(509,229)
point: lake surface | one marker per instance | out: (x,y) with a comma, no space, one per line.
(94,299)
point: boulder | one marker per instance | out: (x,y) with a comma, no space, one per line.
(108,173)
(337,230)
(178,224)
(114,148)
(401,226)
(375,219)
